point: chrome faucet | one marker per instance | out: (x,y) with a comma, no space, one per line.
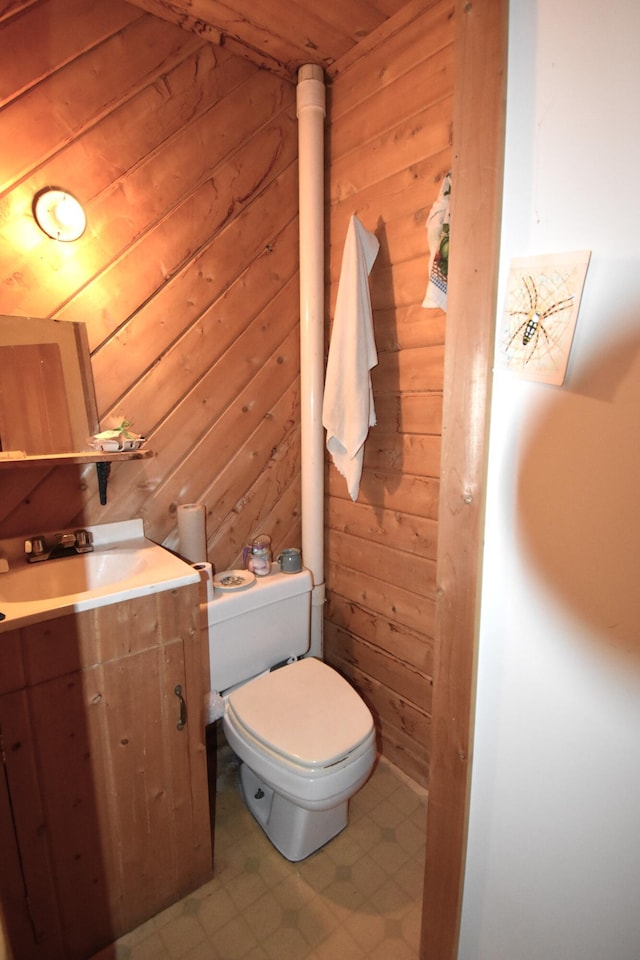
(65,545)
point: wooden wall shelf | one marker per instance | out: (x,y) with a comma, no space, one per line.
(101,458)
(84,456)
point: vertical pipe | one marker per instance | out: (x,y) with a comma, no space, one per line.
(311,114)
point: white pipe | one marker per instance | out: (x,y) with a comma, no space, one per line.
(311,114)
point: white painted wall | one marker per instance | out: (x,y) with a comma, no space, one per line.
(553,862)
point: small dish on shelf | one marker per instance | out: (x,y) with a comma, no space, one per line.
(115,444)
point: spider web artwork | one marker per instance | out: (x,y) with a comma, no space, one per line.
(542,302)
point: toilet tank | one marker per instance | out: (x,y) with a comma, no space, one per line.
(253,629)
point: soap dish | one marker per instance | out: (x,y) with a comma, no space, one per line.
(115,444)
(234,580)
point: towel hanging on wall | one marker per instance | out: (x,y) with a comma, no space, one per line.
(348,409)
(438,236)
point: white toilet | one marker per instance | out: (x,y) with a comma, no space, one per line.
(305,738)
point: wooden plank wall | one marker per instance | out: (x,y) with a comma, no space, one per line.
(390,116)
(184,157)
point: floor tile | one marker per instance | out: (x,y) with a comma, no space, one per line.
(358,897)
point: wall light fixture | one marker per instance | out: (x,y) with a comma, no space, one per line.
(59,214)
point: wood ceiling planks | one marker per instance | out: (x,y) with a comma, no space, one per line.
(279,35)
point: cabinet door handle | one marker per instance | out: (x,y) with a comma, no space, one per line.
(183,707)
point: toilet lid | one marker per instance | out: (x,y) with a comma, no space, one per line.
(305,712)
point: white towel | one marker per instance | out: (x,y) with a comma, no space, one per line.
(348,409)
(438,223)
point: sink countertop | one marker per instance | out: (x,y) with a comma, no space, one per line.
(155,569)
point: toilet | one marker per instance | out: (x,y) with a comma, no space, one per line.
(305,739)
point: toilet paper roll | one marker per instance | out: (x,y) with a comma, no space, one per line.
(206,581)
(191,532)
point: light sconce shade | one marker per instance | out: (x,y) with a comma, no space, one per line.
(59,214)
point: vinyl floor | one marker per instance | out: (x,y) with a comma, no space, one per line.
(359,896)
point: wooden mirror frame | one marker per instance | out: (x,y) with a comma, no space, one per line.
(47,396)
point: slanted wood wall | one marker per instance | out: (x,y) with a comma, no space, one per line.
(185,158)
(389,145)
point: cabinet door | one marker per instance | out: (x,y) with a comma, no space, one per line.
(123,779)
(66,713)
(147,746)
(154,745)
(26,887)
(116,783)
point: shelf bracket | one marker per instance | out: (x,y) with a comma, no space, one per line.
(103,469)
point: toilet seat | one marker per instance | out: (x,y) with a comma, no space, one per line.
(305,713)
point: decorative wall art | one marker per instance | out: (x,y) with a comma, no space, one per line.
(438,223)
(542,303)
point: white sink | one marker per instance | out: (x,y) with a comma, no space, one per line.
(84,573)
(122,565)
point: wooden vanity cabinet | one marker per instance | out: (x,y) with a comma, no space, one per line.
(104,815)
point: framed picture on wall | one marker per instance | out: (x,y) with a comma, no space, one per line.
(540,314)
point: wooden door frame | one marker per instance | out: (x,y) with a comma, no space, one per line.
(477,170)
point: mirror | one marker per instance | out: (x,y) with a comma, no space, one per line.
(47,397)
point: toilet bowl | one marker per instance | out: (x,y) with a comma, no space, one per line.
(305,739)
(307,743)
